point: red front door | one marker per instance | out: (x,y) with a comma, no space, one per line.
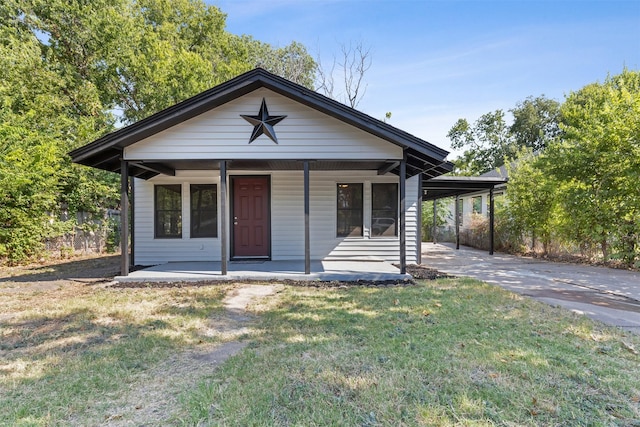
(251,223)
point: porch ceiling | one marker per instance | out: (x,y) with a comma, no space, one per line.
(451,186)
(146,169)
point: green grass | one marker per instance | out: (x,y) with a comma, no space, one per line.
(447,352)
(450,352)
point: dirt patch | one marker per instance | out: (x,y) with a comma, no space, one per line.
(154,398)
(578,259)
(422,272)
(50,275)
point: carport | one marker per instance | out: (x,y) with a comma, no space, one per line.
(455,186)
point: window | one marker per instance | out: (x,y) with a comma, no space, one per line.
(477,204)
(204,210)
(349,202)
(168,211)
(384,210)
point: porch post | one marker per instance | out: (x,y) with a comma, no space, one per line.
(491,221)
(403,219)
(124,217)
(132,207)
(419,215)
(307,243)
(457,222)
(223,217)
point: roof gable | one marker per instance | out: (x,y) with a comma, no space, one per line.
(303,133)
(106,151)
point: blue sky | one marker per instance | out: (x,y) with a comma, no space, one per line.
(437,61)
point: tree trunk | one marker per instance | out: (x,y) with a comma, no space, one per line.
(604,247)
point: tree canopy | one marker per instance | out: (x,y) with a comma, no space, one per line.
(583,187)
(74,70)
(491,142)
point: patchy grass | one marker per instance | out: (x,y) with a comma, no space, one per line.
(66,355)
(445,352)
(449,352)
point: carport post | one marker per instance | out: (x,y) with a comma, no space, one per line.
(491,221)
(457,210)
(124,217)
(223,217)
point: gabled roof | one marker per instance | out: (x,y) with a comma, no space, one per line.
(500,172)
(106,152)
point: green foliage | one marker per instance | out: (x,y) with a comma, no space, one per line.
(29,154)
(597,164)
(508,228)
(70,66)
(536,123)
(143,56)
(442,212)
(532,210)
(490,142)
(28,163)
(292,62)
(583,188)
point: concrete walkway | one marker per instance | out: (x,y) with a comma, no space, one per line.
(267,270)
(609,295)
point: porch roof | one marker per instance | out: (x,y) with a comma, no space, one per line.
(106,152)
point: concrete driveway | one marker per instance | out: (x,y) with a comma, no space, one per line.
(609,295)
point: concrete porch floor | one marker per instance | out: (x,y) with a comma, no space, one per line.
(267,270)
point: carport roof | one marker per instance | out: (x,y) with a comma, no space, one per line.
(106,152)
(451,186)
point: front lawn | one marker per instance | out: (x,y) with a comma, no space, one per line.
(444,352)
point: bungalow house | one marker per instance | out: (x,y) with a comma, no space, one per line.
(262,168)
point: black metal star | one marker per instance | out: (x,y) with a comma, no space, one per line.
(263,123)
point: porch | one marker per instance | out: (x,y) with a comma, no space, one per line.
(267,270)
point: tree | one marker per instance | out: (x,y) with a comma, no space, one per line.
(351,68)
(73,69)
(487,143)
(28,165)
(143,56)
(491,142)
(442,211)
(292,62)
(597,163)
(535,122)
(531,198)
(30,102)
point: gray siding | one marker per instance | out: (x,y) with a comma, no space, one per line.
(287,219)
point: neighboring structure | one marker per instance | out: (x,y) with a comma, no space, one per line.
(478,202)
(473,195)
(260,167)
